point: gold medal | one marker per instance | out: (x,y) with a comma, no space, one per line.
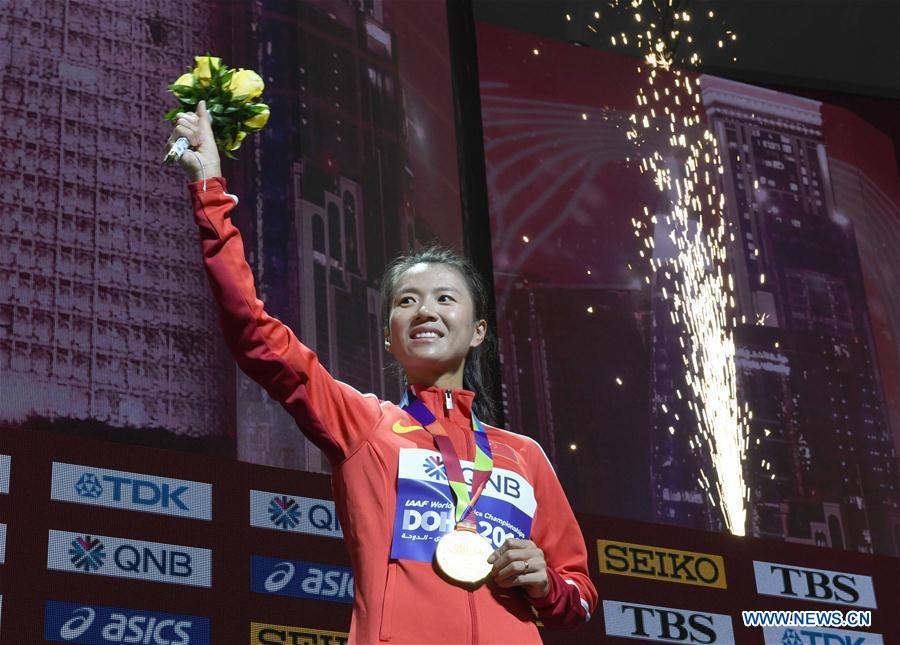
(462,555)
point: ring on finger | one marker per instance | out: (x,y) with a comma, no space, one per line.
(527,567)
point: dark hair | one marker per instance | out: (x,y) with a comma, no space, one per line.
(478,375)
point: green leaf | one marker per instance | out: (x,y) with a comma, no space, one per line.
(171,114)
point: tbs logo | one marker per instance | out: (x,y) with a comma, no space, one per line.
(99,625)
(301,579)
(817,585)
(667,624)
(131,491)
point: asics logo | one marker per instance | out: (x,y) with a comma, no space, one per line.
(399,428)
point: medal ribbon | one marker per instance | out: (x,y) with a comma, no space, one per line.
(484,460)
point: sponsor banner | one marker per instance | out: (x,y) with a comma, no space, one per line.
(5,464)
(818,636)
(817,585)
(70,622)
(425,505)
(665,624)
(2,543)
(131,491)
(659,563)
(123,558)
(301,579)
(264,634)
(294,513)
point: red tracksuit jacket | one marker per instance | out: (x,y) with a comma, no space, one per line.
(389,486)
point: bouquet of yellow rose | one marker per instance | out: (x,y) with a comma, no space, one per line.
(230,96)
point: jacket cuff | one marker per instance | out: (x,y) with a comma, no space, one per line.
(563,605)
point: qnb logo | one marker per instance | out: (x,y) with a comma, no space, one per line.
(88,553)
(434,468)
(89,486)
(81,621)
(280,577)
(284,512)
(128,558)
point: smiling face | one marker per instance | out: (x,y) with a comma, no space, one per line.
(432,325)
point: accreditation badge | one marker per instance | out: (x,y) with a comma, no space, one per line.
(424,512)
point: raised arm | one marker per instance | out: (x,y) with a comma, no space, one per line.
(333,415)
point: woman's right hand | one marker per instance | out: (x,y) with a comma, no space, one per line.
(196,127)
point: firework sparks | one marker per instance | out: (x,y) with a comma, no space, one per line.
(698,287)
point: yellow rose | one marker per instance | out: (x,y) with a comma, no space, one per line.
(202,71)
(185,79)
(246,83)
(258,121)
(236,143)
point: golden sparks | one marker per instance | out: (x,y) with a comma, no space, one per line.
(681,154)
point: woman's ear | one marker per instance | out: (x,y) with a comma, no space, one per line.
(480,332)
(387,339)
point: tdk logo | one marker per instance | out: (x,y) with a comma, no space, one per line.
(817,585)
(122,558)
(818,636)
(294,513)
(131,491)
(301,579)
(89,486)
(98,625)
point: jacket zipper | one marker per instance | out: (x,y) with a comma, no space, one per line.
(474,618)
(448,405)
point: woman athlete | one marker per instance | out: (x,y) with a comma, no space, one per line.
(417,548)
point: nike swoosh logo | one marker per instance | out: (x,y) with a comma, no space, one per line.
(402,429)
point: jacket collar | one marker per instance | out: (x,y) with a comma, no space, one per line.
(459,409)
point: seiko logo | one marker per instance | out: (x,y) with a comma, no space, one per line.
(666,624)
(818,585)
(301,579)
(99,625)
(658,563)
(263,634)
(131,491)
(129,558)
